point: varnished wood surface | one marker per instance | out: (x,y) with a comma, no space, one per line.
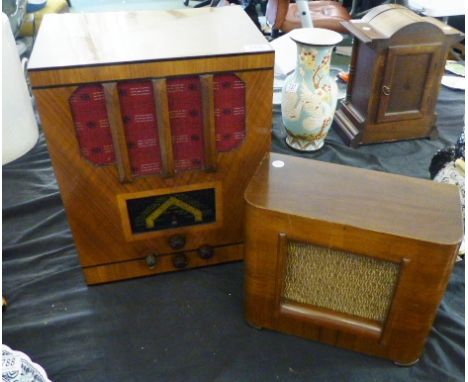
(384,21)
(397,65)
(138,268)
(154,69)
(291,203)
(90,193)
(164,131)
(118,132)
(91,39)
(381,24)
(106,48)
(386,203)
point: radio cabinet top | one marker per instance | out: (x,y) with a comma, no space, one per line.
(108,42)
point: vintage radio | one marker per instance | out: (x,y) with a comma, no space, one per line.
(350,257)
(396,67)
(155,122)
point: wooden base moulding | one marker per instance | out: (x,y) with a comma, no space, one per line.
(163,263)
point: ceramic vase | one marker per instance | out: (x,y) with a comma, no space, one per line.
(309,93)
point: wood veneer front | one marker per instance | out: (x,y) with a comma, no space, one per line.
(413,223)
(94,196)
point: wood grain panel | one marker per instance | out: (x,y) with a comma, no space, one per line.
(90,193)
(156,69)
(384,231)
(139,268)
(164,126)
(397,64)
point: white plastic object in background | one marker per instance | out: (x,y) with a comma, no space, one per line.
(437,8)
(304,13)
(19,125)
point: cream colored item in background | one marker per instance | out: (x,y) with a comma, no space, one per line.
(19,125)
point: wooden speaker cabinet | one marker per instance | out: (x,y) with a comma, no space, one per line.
(155,122)
(354,258)
(397,62)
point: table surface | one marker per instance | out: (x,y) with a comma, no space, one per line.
(189,326)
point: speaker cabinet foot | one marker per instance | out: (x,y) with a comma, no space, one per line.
(434,134)
(404,364)
(253,326)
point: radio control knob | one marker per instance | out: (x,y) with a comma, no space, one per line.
(205,252)
(177,242)
(179,260)
(151,260)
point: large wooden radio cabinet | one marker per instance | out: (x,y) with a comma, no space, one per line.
(350,257)
(397,63)
(155,122)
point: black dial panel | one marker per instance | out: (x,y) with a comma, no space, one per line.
(160,212)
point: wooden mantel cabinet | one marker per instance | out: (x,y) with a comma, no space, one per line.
(396,67)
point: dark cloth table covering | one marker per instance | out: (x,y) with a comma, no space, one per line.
(189,326)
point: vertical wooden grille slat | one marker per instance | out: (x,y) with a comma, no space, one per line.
(118,132)
(340,281)
(208,122)
(164,126)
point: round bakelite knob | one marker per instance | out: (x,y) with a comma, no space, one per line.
(179,260)
(151,260)
(205,252)
(177,242)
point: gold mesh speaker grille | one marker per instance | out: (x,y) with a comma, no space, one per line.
(340,281)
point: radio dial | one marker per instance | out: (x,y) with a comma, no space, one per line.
(180,260)
(205,252)
(177,242)
(151,260)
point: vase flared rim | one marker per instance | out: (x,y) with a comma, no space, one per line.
(315,36)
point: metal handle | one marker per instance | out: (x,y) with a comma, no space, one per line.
(386,90)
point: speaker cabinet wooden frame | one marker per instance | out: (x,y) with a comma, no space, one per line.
(120,96)
(394,240)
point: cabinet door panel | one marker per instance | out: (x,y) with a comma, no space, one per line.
(408,81)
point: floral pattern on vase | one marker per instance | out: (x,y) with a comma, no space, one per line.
(309,93)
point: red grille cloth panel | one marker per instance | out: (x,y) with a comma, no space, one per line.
(141,129)
(88,107)
(229,104)
(185,114)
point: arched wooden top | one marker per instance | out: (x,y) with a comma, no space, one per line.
(391,21)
